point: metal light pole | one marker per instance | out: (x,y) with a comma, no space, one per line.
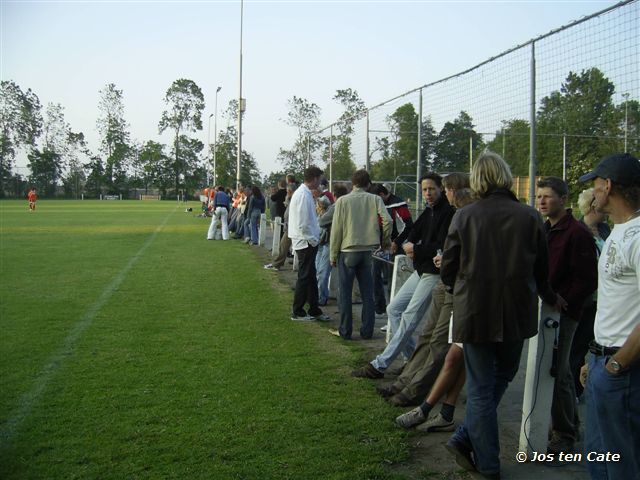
(215,136)
(209,144)
(626,119)
(240,105)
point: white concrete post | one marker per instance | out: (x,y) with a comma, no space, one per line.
(263,229)
(538,384)
(402,270)
(277,232)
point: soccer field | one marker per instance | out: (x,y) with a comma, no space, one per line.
(131,347)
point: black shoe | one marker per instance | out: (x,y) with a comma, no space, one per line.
(401,400)
(462,454)
(368,371)
(386,391)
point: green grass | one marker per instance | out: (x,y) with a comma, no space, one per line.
(132,348)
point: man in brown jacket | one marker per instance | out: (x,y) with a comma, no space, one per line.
(496,261)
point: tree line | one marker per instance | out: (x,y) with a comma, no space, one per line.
(580,118)
(60,162)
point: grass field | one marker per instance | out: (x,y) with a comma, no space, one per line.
(132,348)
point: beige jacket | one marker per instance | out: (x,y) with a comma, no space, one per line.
(355,223)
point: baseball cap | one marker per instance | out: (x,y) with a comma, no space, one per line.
(622,168)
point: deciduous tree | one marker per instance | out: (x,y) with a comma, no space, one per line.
(185,103)
(20,124)
(114,137)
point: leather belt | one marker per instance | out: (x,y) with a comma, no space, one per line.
(599,350)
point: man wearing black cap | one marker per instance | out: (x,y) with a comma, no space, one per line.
(613,381)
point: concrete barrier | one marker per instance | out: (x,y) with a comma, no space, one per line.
(538,384)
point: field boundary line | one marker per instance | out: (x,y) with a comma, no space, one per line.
(53,364)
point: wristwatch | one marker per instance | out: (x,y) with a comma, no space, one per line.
(615,366)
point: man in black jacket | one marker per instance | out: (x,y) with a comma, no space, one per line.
(410,304)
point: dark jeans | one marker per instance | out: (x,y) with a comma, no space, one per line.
(307,284)
(356,265)
(379,272)
(490,367)
(613,420)
(563,405)
(580,345)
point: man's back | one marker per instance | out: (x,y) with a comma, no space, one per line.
(355,222)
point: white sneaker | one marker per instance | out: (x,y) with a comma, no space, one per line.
(411,418)
(384,328)
(437,423)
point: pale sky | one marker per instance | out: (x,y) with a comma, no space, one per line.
(67,51)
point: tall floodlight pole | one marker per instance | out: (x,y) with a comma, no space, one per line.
(240,105)
(215,135)
(626,119)
(209,144)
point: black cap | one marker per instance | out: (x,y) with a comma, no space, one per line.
(622,168)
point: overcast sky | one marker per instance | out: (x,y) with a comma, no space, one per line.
(67,51)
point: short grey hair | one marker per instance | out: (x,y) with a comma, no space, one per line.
(489,172)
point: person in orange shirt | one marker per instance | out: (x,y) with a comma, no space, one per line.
(32,196)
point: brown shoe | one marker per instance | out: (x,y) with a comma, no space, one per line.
(368,371)
(401,400)
(386,391)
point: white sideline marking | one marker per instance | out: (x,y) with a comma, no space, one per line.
(11,426)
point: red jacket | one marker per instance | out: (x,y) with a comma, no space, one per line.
(573,263)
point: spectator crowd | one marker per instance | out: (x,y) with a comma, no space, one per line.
(482,260)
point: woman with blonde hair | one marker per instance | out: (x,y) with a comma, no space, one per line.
(496,262)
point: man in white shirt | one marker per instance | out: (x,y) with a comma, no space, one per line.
(304,231)
(613,380)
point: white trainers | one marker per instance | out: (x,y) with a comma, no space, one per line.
(411,418)
(436,423)
(269,266)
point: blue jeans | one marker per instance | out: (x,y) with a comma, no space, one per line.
(254,220)
(489,367)
(613,420)
(405,312)
(356,265)
(379,270)
(323,270)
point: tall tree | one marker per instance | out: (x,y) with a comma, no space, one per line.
(582,109)
(454,142)
(304,116)
(154,167)
(45,170)
(114,137)
(428,139)
(20,124)
(400,151)
(354,109)
(190,149)
(94,185)
(512,143)
(227,153)
(185,103)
